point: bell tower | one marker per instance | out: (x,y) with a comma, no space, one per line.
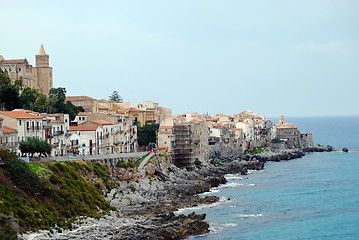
(281,119)
(42,59)
(42,73)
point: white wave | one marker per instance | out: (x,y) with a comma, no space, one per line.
(235,178)
(202,206)
(236,184)
(212,190)
(230,225)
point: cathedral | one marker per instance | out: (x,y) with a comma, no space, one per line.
(39,77)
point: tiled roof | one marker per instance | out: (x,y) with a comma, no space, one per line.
(20,115)
(8,130)
(14,61)
(136,110)
(235,129)
(286,127)
(79,98)
(165,127)
(84,113)
(56,121)
(102,122)
(83,128)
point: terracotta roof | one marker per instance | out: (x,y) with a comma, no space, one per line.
(287,127)
(83,128)
(102,122)
(165,127)
(136,110)
(14,61)
(8,130)
(21,115)
(104,101)
(235,129)
(84,113)
(56,121)
(79,98)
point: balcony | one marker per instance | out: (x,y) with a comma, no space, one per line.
(57,133)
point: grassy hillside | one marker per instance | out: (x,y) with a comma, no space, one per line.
(41,195)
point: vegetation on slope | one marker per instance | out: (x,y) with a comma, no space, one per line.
(44,195)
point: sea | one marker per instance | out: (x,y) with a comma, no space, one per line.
(314,197)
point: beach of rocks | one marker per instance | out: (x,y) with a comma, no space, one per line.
(146,206)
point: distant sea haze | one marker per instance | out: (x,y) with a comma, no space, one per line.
(314,197)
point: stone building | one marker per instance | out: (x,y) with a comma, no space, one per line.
(89,104)
(39,77)
(190,143)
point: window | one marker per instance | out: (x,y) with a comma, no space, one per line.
(27,126)
(20,122)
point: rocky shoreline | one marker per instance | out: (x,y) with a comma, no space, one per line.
(146,206)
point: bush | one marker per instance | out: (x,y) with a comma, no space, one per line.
(215,162)
(197,162)
(35,145)
(123,164)
(20,173)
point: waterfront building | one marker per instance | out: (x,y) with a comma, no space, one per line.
(94,139)
(24,124)
(56,127)
(165,138)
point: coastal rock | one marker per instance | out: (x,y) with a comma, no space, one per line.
(345,149)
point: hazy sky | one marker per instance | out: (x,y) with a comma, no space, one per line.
(298,58)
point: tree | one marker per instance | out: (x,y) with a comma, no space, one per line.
(146,134)
(28,98)
(56,103)
(35,145)
(115,97)
(9,93)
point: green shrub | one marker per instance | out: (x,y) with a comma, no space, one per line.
(123,164)
(197,162)
(22,176)
(215,162)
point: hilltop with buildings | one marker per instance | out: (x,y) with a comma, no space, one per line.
(107,127)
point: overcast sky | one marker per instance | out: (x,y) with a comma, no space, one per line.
(298,58)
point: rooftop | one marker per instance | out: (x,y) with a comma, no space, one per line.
(102,122)
(19,115)
(15,61)
(8,130)
(80,98)
(83,128)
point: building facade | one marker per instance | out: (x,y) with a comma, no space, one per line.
(39,77)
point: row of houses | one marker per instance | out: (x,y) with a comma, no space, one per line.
(190,137)
(100,133)
(144,112)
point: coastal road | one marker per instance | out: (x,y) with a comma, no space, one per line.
(143,163)
(95,157)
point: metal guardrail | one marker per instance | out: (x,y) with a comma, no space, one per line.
(92,157)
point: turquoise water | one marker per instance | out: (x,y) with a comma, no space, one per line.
(314,197)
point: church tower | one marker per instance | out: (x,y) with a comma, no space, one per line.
(42,73)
